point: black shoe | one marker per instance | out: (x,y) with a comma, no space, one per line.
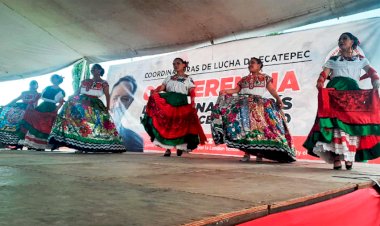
(179,152)
(55,147)
(245,158)
(16,147)
(19,147)
(337,166)
(348,165)
(259,157)
(167,153)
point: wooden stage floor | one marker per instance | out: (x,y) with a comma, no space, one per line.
(57,188)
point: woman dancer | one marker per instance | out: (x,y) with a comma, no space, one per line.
(347,126)
(84,122)
(37,123)
(170,120)
(251,123)
(12,114)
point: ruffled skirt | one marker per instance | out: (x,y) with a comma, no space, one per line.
(85,124)
(171,122)
(347,123)
(254,125)
(10,120)
(36,126)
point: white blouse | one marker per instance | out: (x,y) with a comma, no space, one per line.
(178,84)
(92,92)
(52,95)
(346,68)
(96,88)
(254,84)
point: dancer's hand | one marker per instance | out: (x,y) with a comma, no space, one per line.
(321,80)
(319,85)
(279,103)
(222,92)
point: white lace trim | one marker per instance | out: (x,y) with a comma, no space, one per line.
(29,143)
(325,150)
(178,147)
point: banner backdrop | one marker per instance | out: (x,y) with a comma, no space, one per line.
(294,60)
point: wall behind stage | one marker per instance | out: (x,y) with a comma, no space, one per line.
(294,61)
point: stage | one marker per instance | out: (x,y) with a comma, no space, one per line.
(57,188)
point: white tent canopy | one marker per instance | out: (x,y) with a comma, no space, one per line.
(41,36)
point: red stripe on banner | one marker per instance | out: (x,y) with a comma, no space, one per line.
(222,149)
(361,207)
(375,161)
(210,148)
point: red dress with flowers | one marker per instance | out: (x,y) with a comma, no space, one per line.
(85,124)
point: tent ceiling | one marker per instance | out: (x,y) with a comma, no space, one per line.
(41,36)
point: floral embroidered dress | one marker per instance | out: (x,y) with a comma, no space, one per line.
(85,124)
(37,123)
(348,118)
(12,115)
(251,123)
(170,120)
